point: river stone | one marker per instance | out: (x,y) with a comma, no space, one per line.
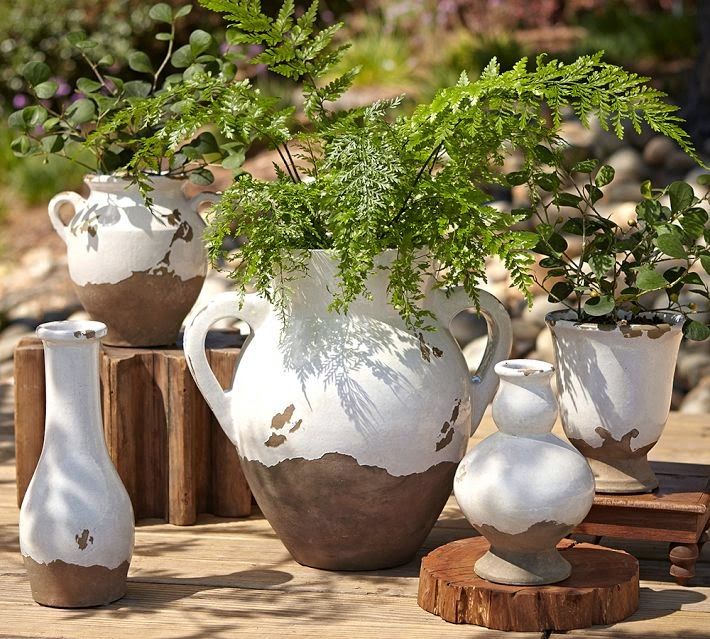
(628,165)
(697,401)
(657,150)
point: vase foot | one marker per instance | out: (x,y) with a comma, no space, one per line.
(630,475)
(63,585)
(523,568)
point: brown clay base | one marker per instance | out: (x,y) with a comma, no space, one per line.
(602,589)
(62,585)
(142,310)
(334,514)
(631,475)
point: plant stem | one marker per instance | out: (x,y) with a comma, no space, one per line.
(165,59)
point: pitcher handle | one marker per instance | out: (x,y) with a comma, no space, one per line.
(253,311)
(66,197)
(500,340)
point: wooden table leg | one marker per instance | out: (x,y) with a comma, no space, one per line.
(683,558)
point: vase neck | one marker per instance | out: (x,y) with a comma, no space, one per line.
(73,422)
(312,291)
(525,404)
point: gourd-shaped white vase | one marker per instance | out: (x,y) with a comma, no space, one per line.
(76,521)
(523,488)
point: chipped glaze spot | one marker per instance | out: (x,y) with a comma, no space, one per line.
(281,419)
(84,539)
(275,441)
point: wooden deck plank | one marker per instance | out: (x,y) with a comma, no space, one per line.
(226,577)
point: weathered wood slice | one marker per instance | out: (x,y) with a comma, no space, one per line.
(603,589)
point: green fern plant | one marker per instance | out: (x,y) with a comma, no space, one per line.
(361,181)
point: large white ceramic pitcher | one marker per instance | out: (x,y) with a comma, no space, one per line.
(349,427)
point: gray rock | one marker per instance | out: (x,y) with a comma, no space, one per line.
(697,401)
(679,162)
(657,150)
(628,165)
(692,366)
(540,308)
(467,326)
(473,353)
(38,262)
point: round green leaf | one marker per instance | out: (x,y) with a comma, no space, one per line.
(183,11)
(199,41)
(560,291)
(671,246)
(203,177)
(161,12)
(165,37)
(87,86)
(85,45)
(34,116)
(46,90)
(182,57)
(81,111)
(53,143)
(696,331)
(693,222)
(649,280)
(139,61)
(106,60)
(586,166)
(705,262)
(567,199)
(36,72)
(704,179)
(233,161)
(604,176)
(681,195)
(21,145)
(137,89)
(517,177)
(598,306)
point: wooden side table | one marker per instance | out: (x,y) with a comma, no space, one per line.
(168,448)
(677,512)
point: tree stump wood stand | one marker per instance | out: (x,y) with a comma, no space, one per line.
(677,512)
(168,448)
(602,589)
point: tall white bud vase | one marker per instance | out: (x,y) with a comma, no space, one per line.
(76,521)
(523,488)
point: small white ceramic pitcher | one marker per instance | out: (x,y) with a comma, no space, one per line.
(137,269)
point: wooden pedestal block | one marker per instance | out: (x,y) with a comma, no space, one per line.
(168,448)
(602,589)
(677,512)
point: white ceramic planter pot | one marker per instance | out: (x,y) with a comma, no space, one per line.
(138,271)
(615,386)
(523,488)
(76,520)
(349,427)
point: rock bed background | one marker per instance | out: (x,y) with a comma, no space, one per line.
(35,285)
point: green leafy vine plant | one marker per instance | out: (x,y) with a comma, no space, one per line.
(361,181)
(623,266)
(77,128)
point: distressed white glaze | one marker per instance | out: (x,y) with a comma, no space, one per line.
(113,234)
(619,379)
(75,487)
(524,475)
(359,384)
